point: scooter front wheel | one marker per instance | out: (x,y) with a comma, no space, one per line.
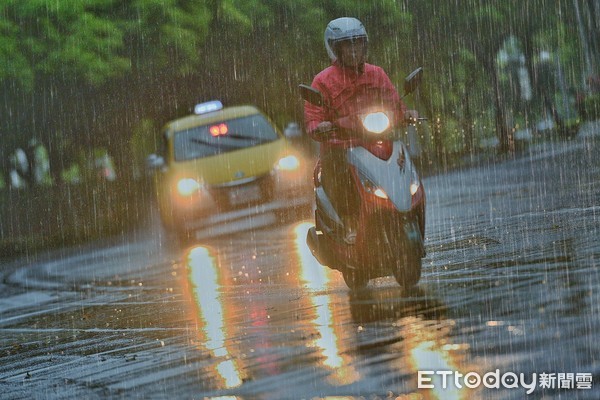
(354,280)
(407,270)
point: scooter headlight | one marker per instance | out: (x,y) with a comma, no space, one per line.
(415,183)
(188,186)
(376,122)
(414,187)
(370,187)
(380,193)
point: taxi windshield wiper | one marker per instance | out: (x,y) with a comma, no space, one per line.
(253,140)
(199,140)
(237,144)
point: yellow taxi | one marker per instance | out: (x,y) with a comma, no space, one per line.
(223,163)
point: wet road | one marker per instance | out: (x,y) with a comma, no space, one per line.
(510,286)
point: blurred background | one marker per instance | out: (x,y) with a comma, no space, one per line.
(87,85)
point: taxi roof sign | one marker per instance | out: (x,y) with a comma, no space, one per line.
(209,106)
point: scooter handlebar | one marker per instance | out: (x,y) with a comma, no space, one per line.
(324,135)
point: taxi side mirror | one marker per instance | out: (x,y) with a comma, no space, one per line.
(154,162)
(292,130)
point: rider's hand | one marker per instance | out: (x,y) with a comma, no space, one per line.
(411,116)
(324,126)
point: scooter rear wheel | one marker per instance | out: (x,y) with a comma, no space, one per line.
(407,270)
(354,280)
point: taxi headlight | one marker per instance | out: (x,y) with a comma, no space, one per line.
(376,122)
(188,186)
(289,163)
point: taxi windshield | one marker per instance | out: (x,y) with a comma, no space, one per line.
(239,133)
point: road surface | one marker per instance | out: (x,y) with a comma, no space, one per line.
(510,286)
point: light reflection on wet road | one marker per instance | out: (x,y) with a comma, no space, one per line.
(510,284)
(306,330)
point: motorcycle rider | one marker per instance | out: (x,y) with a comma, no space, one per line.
(348,85)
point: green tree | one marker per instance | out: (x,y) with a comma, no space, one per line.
(447,31)
(69,66)
(86,72)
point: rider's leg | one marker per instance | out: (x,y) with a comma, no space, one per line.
(339,184)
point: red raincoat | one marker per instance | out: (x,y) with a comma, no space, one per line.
(349,92)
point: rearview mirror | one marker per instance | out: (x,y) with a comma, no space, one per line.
(154,161)
(312,95)
(412,81)
(292,130)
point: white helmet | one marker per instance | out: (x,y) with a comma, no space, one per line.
(341,29)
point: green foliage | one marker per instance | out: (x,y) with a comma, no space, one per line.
(14,65)
(166,33)
(94,41)
(90,50)
(79,39)
(96,68)
(246,15)
(591,107)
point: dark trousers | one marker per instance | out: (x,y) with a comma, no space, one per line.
(339,184)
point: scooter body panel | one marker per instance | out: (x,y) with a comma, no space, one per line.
(326,210)
(385,233)
(392,175)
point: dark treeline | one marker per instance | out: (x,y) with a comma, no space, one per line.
(81,74)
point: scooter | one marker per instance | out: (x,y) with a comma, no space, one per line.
(391,216)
